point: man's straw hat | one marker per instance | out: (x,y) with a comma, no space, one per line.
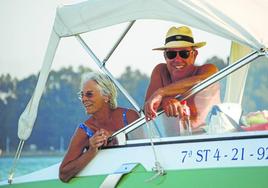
(180,37)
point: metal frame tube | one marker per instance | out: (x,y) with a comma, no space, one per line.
(118,42)
(219,75)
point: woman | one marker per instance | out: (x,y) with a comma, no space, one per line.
(98,95)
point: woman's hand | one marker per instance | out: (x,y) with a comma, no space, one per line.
(99,139)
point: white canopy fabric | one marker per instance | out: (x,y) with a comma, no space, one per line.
(28,117)
(239,20)
(236,82)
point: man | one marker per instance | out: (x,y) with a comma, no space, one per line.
(178,75)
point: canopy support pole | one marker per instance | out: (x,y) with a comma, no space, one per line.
(222,73)
(16,158)
(118,42)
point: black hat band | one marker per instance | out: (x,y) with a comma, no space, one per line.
(179,38)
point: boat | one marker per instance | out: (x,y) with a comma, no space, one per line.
(234,150)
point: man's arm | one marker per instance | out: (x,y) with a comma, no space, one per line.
(185,84)
(155,80)
(155,83)
(154,101)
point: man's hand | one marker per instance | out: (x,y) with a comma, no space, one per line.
(172,107)
(152,105)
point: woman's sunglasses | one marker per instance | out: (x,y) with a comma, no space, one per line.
(88,94)
(173,54)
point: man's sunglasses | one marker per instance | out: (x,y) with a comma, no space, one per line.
(88,94)
(173,54)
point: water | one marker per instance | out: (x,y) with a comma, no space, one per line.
(25,165)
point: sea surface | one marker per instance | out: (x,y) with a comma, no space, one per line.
(26,165)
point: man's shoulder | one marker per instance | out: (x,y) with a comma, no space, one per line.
(160,67)
(160,74)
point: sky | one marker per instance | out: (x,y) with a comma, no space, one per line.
(26,26)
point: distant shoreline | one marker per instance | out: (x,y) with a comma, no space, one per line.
(34,154)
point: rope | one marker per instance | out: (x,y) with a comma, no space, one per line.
(157,168)
(16,158)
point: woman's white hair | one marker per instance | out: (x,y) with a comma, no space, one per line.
(105,84)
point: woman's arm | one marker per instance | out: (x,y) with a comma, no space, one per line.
(75,159)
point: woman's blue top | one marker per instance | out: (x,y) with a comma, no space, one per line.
(90,133)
